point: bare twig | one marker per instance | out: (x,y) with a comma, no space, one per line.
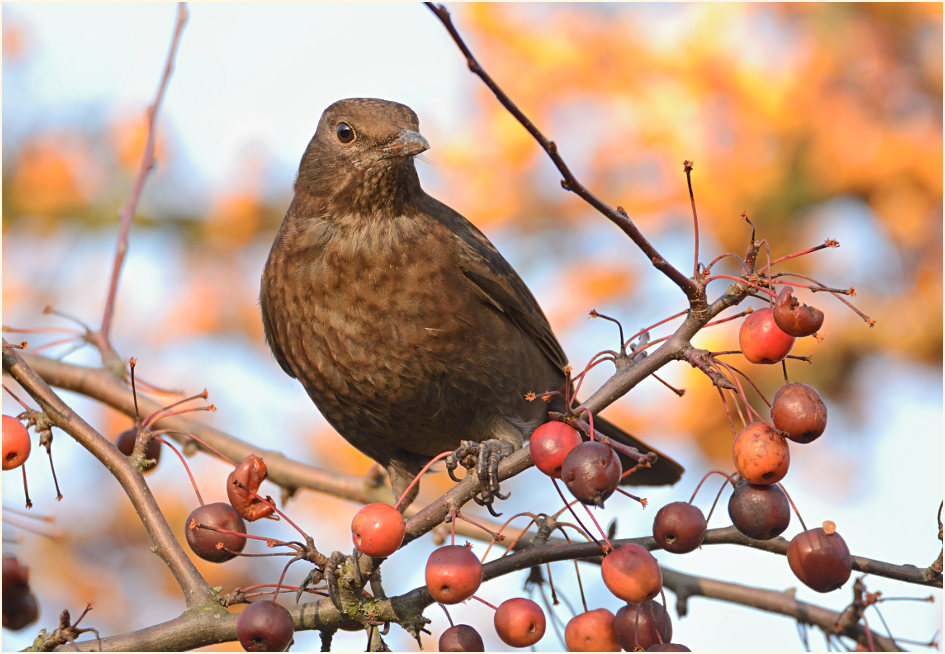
(569,182)
(147,165)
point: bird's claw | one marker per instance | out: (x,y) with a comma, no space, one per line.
(484,457)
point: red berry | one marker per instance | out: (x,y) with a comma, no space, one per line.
(592,631)
(453,574)
(16,443)
(519,622)
(643,625)
(798,411)
(461,638)
(125,442)
(760,454)
(632,574)
(550,444)
(795,318)
(761,340)
(209,544)
(679,527)
(759,511)
(378,529)
(820,558)
(265,626)
(591,471)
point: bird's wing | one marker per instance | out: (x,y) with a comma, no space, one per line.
(497,281)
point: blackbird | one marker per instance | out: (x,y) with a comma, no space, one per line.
(407,328)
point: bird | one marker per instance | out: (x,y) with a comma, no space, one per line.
(404,324)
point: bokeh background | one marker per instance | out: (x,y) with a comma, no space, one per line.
(818,120)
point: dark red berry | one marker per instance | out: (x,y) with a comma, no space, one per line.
(631,573)
(591,471)
(640,626)
(798,411)
(125,442)
(20,609)
(820,558)
(550,444)
(679,527)
(519,622)
(761,340)
(209,544)
(759,511)
(453,574)
(461,638)
(14,574)
(795,318)
(378,529)
(265,626)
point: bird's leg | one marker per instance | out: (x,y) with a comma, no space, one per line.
(484,456)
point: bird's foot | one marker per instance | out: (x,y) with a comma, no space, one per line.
(484,456)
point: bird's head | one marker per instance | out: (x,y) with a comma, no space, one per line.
(362,154)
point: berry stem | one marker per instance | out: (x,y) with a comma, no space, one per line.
(705,477)
(416,479)
(793,506)
(193,482)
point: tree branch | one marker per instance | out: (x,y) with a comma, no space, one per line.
(195,589)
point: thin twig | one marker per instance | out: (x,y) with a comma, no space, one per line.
(569,182)
(147,165)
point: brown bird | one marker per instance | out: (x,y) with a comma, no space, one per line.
(407,328)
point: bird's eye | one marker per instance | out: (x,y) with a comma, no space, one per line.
(345,132)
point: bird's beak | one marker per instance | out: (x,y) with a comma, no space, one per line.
(407,144)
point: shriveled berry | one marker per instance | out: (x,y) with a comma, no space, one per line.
(798,411)
(759,511)
(213,545)
(16,443)
(519,622)
(453,574)
(631,573)
(820,558)
(265,626)
(679,527)
(592,631)
(640,626)
(378,529)
(795,318)
(461,638)
(591,471)
(242,486)
(760,454)
(550,443)
(761,340)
